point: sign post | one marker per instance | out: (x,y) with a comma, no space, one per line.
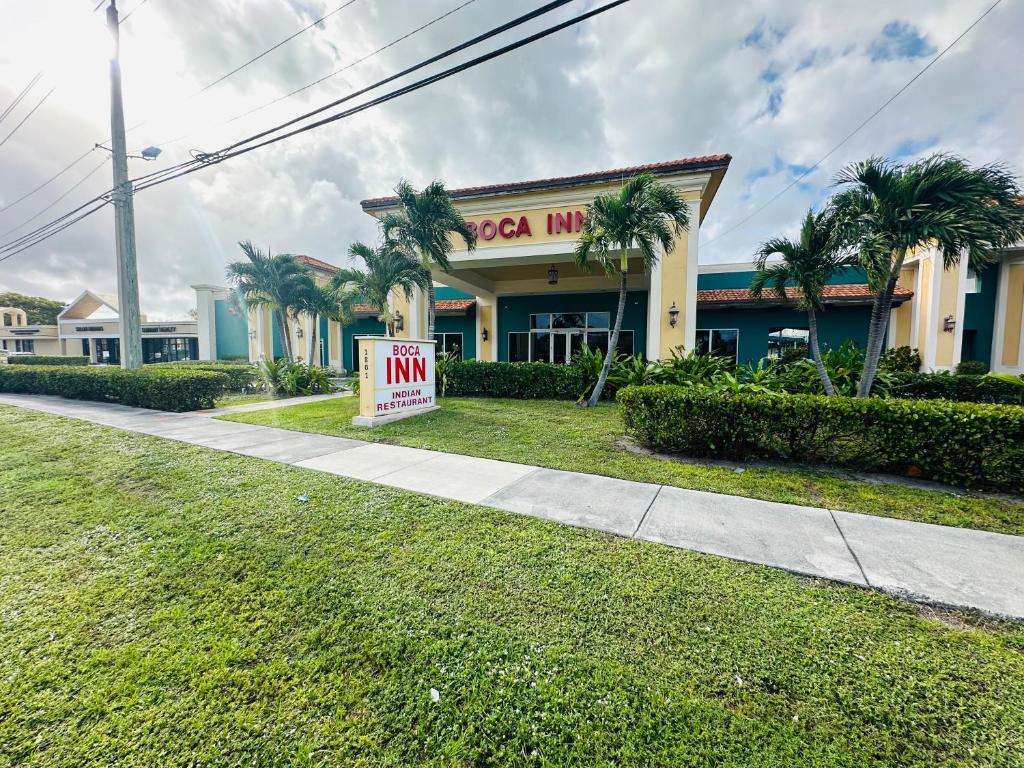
(396,379)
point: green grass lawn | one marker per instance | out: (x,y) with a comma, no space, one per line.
(168,605)
(234,398)
(562,436)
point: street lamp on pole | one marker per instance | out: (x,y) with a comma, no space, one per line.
(124,213)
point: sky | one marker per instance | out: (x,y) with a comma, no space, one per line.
(774,83)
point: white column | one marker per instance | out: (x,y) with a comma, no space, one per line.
(206,322)
(961,298)
(692,260)
(654,310)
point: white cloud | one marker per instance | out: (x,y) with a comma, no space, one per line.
(774,83)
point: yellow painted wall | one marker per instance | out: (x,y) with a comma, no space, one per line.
(923,300)
(1014,311)
(674,288)
(946,342)
(904,314)
(484,349)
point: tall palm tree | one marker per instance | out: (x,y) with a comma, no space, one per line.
(274,280)
(807,264)
(888,210)
(423,225)
(387,269)
(319,301)
(643,213)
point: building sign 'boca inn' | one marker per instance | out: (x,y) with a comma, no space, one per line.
(396,379)
(510,227)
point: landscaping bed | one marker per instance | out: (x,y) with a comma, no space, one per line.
(171,605)
(561,435)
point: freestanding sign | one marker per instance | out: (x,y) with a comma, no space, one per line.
(396,379)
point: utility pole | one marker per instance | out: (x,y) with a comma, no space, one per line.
(124,213)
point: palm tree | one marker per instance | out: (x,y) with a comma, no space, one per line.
(423,226)
(319,301)
(889,210)
(273,280)
(387,269)
(644,213)
(807,264)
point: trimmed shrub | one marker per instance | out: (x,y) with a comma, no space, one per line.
(48,360)
(164,389)
(521,381)
(1003,390)
(963,443)
(971,368)
(242,377)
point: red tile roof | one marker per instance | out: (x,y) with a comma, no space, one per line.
(309,261)
(706,162)
(853,292)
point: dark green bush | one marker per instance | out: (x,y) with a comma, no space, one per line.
(900,360)
(160,388)
(971,368)
(963,443)
(48,360)
(522,381)
(242,377)
(1004,390)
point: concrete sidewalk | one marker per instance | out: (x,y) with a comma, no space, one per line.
(935,564)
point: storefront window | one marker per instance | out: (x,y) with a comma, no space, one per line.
(519,347)
(448,342)
(781,340)
(27,346)
(557,336)
(721,342)
(170,349)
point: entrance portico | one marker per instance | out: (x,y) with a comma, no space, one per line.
(533,302)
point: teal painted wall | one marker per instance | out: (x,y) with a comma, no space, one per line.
(444,292)
(835,325)
(709,280)
(232,331)
(276,336)
(514,313)
(364,326)
(464,324)
(322,333)
(980,313)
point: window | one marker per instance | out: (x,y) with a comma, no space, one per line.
(448,342)
(519,347)
(27,346)
(169,349)
(973,281)
(554,337)
(782,340)
(721,342)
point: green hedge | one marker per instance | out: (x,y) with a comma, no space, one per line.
(1005,390)
(522,381)
(963,443)
(169,389)
(48,360)
(242,377)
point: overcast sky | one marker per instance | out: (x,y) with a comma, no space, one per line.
(775,83)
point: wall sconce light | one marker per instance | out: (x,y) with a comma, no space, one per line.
(552,275)
(298,333)
(484,335)
(673,315)
(399,322)
(252,335)
(948,323)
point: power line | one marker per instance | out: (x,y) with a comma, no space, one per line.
(133,10)
(274,47)
(52,228)
(205,158)
(355,63)
(55,176)
(20,96)
(852,133)
(75,186)
(26,117)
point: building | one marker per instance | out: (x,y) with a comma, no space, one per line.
(519,295)
(90,326)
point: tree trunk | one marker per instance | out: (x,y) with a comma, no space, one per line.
(876,337)
(314,358)
(286,342)
(812,334)
(431,307)
(613,343)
